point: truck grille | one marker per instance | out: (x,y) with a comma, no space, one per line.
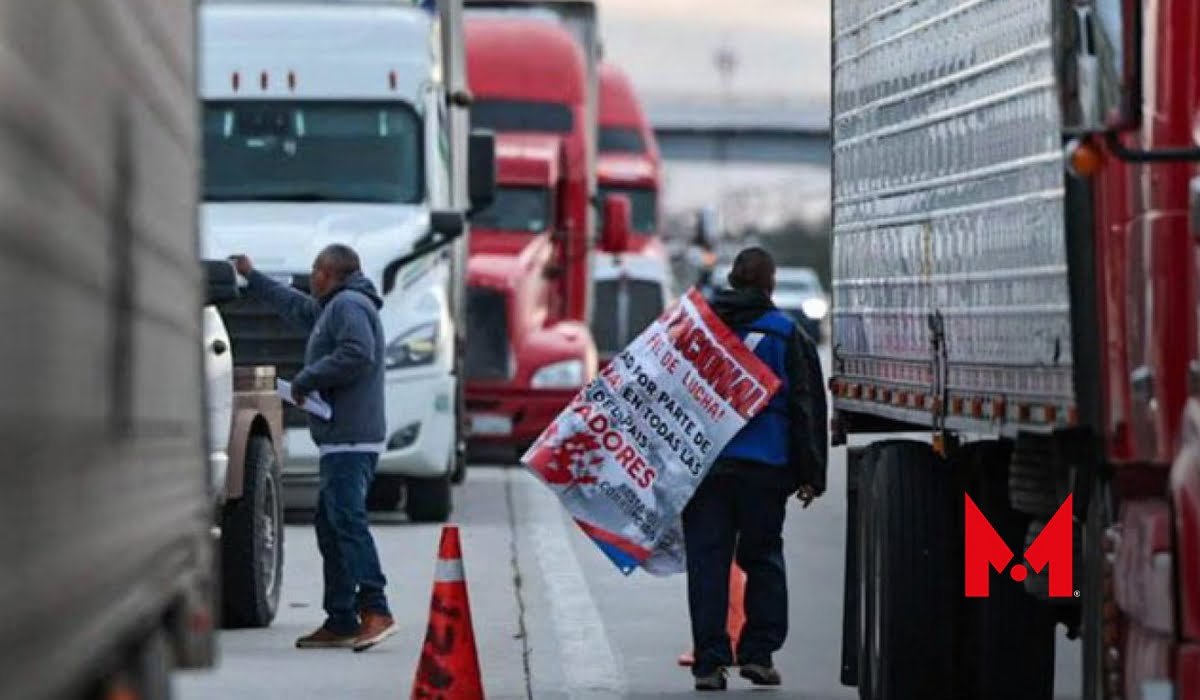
(262,337)
(487,335)
(640,301)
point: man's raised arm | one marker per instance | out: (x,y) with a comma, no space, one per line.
(296,307)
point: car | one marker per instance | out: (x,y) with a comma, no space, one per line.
(798,292)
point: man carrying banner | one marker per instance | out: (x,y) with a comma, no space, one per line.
(739,507)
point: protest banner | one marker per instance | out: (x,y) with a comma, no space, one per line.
(628,452)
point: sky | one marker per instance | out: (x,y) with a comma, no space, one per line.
(668,46)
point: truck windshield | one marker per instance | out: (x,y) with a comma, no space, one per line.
(616,139)
(643,205)
(309,151)
(519,115)
(516,209)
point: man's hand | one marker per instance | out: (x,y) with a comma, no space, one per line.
(297,396)
(806,494)
(242,264)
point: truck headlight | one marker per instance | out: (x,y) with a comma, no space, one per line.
(815,308)
(567,374)
(413,348)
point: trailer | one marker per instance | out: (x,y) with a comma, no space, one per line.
(1014,277)
(105,509)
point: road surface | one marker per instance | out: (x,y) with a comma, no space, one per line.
(553,618)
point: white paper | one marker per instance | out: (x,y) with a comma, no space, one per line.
(313,403)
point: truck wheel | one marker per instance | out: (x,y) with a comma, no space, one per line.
(1006,645)
(429,499)
(384,493)
(252,542)
(910,593)
(1032,477)
(458,470)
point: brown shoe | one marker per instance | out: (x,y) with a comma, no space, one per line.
(375,628)
(325,638)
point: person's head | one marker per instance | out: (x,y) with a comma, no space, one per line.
(753,268)
(331,268)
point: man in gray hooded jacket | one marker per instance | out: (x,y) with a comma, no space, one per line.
(343,362)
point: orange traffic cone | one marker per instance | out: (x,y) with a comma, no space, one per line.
(736,619)
(449,666)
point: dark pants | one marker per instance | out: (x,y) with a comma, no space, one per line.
(730,514)
(353,578)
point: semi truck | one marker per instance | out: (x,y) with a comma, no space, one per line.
(632,285)
(531,349)
(1015,219)
(581,19)
(108,573)
(335,122)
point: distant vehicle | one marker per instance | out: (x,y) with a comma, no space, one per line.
(798,291)
(632,285)
(529,271)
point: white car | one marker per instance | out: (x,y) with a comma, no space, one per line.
(798,291)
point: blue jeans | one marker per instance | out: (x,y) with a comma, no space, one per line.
(354,581)
(732,513)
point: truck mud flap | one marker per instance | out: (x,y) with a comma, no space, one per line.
(850,587)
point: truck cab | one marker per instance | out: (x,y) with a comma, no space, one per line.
(633,285)
(529,269)
(528,359)
(328,123)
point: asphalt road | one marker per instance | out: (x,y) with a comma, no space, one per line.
(553,618)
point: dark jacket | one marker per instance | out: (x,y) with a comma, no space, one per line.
(803,391)
(344,358)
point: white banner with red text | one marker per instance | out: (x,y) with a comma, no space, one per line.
(629,451)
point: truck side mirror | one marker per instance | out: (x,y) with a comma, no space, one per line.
(450,224)
(220,279)
(617,212)
(481,170)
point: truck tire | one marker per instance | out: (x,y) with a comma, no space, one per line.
(458,469)
(1006,645)
(385,493)
(252,542)
(429,500)
(1033,477)
(911,593)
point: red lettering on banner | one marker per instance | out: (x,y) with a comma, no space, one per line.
(717,369)
(745,395)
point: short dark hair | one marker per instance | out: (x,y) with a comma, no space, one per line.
(753,268)
(341,259)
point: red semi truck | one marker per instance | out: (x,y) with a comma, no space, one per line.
(1016,216)
(632,285)
(528,273)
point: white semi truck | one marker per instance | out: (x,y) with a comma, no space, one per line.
(332,122)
